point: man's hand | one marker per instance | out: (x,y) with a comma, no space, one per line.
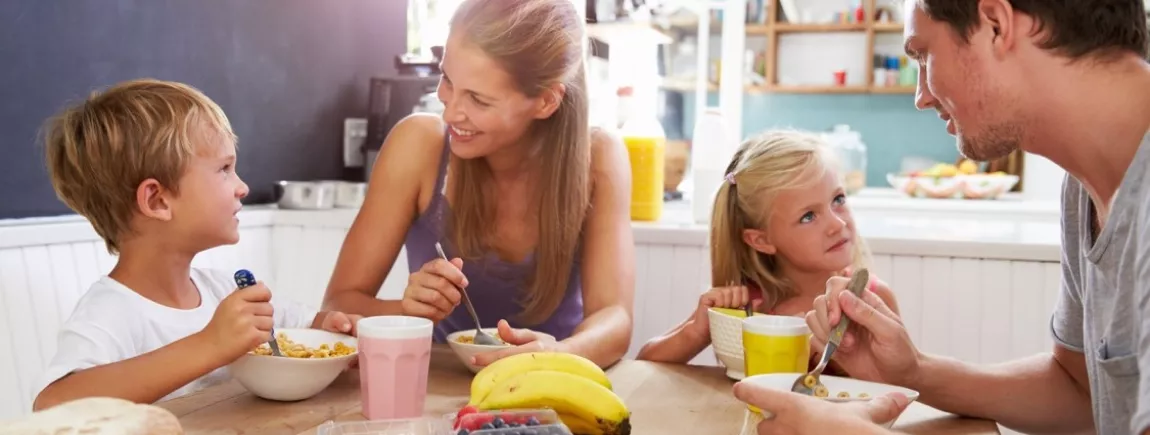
(798,414)
(876,347)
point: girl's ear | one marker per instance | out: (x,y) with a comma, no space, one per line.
(757,239)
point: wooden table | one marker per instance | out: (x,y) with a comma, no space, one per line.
(663,398)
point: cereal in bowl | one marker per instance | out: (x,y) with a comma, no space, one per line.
(292,349)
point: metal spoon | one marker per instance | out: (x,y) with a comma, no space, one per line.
(481,337)
(244,278)
(810,383)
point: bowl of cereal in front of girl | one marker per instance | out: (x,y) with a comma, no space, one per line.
(311,360)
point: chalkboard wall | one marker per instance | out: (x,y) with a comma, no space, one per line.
(286,72)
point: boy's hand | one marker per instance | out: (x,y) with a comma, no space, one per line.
(721,297)
(242,321)
(337,321)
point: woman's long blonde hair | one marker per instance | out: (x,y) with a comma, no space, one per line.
(540,44)
(763,166)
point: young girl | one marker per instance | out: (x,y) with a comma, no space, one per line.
(779,230)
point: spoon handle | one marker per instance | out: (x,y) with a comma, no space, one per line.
(245,278)
(466,300)
(858,282)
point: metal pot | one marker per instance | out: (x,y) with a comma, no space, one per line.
(349,194)
(305,195)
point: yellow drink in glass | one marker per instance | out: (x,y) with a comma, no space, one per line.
(775,344)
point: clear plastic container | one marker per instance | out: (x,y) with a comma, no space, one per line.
(422,426)
(508,422)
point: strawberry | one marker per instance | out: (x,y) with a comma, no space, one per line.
(462,413)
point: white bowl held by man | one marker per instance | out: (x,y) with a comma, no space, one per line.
(852,389)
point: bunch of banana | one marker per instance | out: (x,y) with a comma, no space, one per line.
(573,386)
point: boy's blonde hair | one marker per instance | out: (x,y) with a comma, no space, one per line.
(763,166)
(99,151)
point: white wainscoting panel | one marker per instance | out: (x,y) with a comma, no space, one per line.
(963,306)
(981,311)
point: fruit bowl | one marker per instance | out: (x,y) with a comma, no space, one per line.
(963,186)
(858,390)
(286,378)
(727,338)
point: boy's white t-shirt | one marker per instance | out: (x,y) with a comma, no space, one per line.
(112,323)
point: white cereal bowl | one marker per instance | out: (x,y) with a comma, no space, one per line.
(467,350)
(291,379)
(834,384)
(727,339)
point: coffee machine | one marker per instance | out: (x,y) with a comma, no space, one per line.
(412,89)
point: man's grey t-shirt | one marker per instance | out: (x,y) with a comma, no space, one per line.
(1104,308)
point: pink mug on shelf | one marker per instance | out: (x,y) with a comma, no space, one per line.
(394,357)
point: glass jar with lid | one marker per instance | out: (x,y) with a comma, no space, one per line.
(851,151)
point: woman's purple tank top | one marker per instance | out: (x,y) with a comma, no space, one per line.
(493,284)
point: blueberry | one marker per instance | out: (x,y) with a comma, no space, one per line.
(532,421)
(486,426)
(463,432)
(498,422)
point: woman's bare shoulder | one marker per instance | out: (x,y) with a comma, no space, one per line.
(608,152)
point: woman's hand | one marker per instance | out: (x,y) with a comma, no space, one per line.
(337,322)
(521,340)
(433,291)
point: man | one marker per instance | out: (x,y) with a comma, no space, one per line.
(1067,80)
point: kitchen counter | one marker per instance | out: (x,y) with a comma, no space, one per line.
(1007,229)
(700,398)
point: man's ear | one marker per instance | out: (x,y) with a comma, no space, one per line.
(153,200)
(757,239)
(998,18)
(549,100)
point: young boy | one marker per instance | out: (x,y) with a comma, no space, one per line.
(151,164)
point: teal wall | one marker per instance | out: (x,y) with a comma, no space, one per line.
(890,125)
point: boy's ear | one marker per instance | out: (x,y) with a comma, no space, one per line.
(758,239)
(152,200)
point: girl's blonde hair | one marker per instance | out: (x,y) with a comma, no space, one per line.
(540,44)
(763,166)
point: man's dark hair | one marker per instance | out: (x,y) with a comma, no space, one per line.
(1073,28)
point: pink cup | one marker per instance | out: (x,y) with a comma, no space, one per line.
(394,355)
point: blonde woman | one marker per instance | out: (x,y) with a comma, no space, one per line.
(780,229)
(532,207)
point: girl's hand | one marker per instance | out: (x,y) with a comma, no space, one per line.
(521,340)
(721,297)
(433,291)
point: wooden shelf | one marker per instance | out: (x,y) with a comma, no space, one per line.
(893,89)
(819,28)
(816,89)
(888,27)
